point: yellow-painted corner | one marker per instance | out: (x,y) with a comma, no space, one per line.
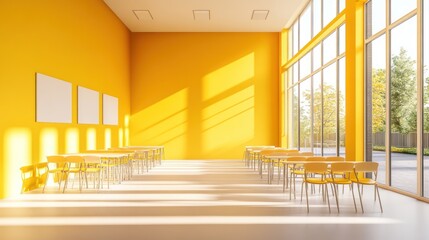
(204,95)
(78,41)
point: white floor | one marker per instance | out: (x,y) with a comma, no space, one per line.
(206,200)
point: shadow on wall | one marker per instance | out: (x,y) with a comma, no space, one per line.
(222,120)
(196,94)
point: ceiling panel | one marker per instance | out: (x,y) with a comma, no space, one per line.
(223,15)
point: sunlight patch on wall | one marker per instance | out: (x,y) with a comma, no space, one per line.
(107,138)
(126,133)
(72,140)
(164,122)
(229,121)
(229,76)
(48,143)
(120,137)
(17,153)
(91,139)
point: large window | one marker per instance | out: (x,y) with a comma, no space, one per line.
(321,87)
(316,82)
(394,72)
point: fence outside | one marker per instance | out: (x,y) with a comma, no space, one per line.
(402,140)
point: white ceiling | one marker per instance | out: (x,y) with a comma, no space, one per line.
(223,15)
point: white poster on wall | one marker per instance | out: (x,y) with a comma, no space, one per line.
(110,110)
(87,106)
(53,100)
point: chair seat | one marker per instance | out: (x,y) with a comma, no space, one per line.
(365,181)
(339,180)
(316,180)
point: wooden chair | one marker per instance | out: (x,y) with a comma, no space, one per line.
(361,172)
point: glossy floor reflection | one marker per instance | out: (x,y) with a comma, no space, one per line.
(215,199)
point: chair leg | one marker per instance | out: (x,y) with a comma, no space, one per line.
(306,194)
(302,187)
(327,196)
(336,196)
(360,197)
(353,194)
(46,181)
(379,199)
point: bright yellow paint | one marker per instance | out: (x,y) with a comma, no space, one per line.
(72,140)
(48,37)
(204,95)
(107,138)
(48,143)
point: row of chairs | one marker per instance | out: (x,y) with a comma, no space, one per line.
(330,170)
(63,168)
(341,173)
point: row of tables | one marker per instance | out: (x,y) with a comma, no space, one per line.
(121,163)
(254,159)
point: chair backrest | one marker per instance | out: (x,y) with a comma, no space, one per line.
(315,167)
(316,158)
(27,171)
(306,154)
(366,167)
(342,167)
(75,161)
(335,159)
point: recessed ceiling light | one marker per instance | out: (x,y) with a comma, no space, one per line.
(201,15)
(260,14)
(143,15)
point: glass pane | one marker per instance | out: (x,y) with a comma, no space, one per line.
(317,57)
(342,40)
(399,8)
(329,48)
(293,117)
(330,110)
(403,101)
(289,77)
(305,27)
(426,96)
(341,5)
(342,105)
(317,17)
(376,106)
(295,73)
(295,35)
(329,11)
(305,116)
(317,114)
(375,16)
(305,65)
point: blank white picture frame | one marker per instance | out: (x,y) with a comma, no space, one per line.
(110,110)
(88,110)
(53,100)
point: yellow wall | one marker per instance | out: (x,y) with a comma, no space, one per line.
(78,41)
(204,95)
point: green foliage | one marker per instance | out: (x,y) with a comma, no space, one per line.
(403,96)
(403,100)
